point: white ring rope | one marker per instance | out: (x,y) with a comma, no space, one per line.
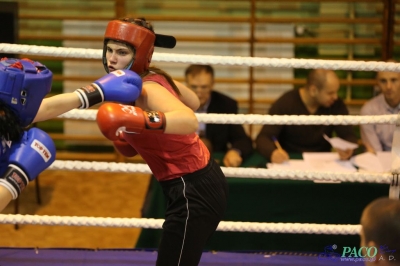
(238,172)
(208,59)
(266,119)
(294,228)
(231,60)
(217,119)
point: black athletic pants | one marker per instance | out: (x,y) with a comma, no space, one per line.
(196,204)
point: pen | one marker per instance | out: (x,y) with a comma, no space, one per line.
(277,143)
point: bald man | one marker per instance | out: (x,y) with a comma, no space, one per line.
(379,137)
(318,97)
(380,231)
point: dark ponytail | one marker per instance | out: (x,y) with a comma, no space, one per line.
(10,127)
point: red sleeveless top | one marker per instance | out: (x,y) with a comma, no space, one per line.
(169,156)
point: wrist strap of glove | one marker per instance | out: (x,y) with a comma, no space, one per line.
(15,180)
(154,121)
(90,95)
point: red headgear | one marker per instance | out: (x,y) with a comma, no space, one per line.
(140,38)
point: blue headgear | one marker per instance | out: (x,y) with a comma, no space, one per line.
(23,85)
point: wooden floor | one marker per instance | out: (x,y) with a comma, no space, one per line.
(70,193)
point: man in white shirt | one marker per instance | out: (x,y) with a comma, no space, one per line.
(379,137)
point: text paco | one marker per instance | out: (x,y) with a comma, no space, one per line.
(349,252)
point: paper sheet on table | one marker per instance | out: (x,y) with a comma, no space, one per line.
(385,157)
(395,160)
(316,161)
(289,165)
(320,156)
(367,161)
(327,161)
(339,143)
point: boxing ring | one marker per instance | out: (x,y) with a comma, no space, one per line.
(38,256)
(115,257)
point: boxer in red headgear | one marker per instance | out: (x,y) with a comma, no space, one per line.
(139,35)
(161,127)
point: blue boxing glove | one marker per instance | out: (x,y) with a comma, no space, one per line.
(28,158)
(122,86)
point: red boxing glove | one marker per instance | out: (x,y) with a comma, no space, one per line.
(124,147)
(112,118)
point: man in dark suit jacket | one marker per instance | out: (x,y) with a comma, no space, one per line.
(228,138)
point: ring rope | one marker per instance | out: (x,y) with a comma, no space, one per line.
(224,118)
(266,119)
(261,173)
(227,226)
(217,118)
(209,59)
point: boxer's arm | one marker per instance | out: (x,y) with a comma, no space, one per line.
(180,119)
(28,158)
(54,106)
(120,86)
(5,197)
(188,97)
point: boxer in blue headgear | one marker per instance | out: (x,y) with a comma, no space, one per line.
(23,85)
(24,153)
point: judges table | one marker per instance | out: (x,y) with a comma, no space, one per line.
(285,201)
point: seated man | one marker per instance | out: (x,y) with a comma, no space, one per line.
(379,137)
(380,222)
(228,138)
(318,97)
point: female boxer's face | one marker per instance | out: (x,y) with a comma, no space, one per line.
(118,55)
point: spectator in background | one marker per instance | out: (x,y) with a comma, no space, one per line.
(228,138)
(318,97)
(378,137)
(380,229)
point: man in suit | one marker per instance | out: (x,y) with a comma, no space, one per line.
(227,138)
